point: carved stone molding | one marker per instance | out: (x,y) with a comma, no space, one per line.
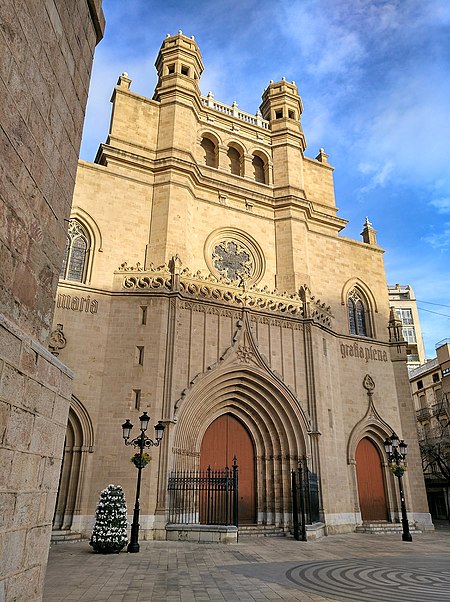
(57,340)
(368,383)
(171,277)
(245,354)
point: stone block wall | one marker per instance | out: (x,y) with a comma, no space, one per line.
(46,53)
(35,391)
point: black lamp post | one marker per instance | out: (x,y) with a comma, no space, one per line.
(141,442)
(396,451)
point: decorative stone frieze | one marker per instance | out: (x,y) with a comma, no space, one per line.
(223,290)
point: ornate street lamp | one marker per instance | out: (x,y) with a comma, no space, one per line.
(140,461)
(396,451)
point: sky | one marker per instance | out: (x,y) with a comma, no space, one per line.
(374,76)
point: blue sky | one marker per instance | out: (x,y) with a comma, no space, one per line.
(374,76)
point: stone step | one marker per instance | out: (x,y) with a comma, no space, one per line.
(382,527)
(65,537)
(261,531)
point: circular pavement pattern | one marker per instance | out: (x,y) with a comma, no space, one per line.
(369,581)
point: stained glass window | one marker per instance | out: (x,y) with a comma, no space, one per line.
(356,310)
(232,260)
(76,253)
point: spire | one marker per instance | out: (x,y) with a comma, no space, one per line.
(395,327)
(369,233)
(322,156)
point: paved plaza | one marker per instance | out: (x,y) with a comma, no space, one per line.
(358,567)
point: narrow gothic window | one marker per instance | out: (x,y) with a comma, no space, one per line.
(76,253)
(357,311)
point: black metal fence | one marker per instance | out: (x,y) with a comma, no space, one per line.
(305,499)
(207,497)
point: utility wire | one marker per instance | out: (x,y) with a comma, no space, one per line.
(433,312)
(431,303)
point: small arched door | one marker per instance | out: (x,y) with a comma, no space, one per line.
(371,489)
(225,438)
(70,474)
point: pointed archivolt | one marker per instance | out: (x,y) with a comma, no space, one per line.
(372,425)
(245,350)
(241,383)
(78,444)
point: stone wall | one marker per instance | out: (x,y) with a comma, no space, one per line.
(46,53)
(35,393)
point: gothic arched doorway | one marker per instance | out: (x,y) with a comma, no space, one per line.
(225,438)
(371,489)
(78,442)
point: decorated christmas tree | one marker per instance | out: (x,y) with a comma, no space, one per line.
(110,530)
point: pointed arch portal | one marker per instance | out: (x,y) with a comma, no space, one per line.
(255,411)
(78,443)
(371,489)
(225,438)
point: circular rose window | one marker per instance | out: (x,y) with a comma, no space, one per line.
(233,255)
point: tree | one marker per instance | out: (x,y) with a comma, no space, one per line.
(434,445)
(109,535)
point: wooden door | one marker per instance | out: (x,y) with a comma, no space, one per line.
(225,438)
(371,490)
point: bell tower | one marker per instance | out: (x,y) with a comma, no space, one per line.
(179,65)
(282,106)
(178,100)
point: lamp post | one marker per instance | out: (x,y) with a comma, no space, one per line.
(396,451)
(141,442)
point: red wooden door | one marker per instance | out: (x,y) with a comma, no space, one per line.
(372,494)
(225,438)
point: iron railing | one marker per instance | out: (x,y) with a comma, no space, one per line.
(305,499)
(423,414)
(208,497)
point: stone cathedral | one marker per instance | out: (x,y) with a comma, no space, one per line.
(206,282)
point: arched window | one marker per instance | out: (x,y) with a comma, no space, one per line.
(210,152)
(234,157)
(259,169)
(74,265)
(357,314)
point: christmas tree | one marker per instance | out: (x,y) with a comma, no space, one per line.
(110,530)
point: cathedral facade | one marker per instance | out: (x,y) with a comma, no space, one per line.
(206,282)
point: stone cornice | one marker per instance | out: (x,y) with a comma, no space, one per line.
(172,277)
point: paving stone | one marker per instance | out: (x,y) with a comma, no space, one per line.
(358,567)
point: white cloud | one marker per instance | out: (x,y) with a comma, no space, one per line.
(328,45)
(442,204)
(439,240)
(379,172)
(408,133)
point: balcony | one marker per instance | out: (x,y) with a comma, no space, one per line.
(423,414)
(442,408)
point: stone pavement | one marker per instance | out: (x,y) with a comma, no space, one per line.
(358,567)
